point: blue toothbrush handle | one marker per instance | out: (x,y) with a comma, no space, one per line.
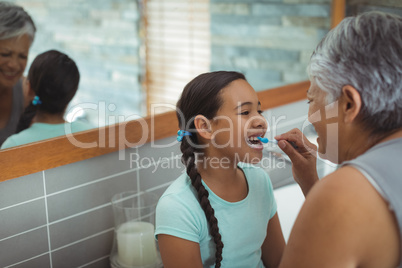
(266,140)
(263,140)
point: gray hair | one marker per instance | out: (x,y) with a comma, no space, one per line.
(15,21)
(364,52)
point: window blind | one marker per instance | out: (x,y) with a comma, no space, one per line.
(177,42)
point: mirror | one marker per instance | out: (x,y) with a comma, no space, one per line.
(104,41)
(272,49)
(107,41)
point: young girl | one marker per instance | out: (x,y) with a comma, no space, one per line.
(52,82)
(222,212)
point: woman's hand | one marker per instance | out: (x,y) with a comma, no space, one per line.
(303,155)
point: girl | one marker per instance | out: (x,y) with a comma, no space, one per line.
(52,82)
(222,212)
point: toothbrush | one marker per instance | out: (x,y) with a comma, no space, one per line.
(266,140)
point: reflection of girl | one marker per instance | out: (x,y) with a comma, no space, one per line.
(17,32)
(218,213)
(53,79)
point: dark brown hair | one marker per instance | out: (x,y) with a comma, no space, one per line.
(54,78)
(201,96)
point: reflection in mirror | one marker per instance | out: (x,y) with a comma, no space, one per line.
(114,48)
(52,80)
(102,37)
(180,39)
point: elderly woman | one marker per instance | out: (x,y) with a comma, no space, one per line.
(352,217)
(17,32)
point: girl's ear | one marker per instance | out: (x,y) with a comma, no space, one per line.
(203,126)
(28,89)
(28,92)
(351,104)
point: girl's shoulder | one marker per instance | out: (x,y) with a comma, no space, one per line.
(180,198)
(80,125)
(180,189)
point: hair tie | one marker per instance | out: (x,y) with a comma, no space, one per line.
(181,134)
(36,100)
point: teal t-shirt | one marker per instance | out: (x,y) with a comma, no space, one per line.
(242,225)
(42,131)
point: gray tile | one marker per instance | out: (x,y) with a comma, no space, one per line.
(21,189)
(22,218)
(77,200)
(74,229)
(23,247)
(159,149)
(166,171)
(84,252)
(41,261)
(102,263)
(85,171)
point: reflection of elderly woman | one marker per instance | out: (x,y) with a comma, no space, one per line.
(17,32)
(352,217)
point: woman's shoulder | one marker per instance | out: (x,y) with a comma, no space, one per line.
(348,216)
(346,182)
(347,194)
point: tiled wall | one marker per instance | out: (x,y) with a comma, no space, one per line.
(269,41)
(62,217)
(358,6)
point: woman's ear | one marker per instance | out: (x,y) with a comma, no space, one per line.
(352,103)
(203,126)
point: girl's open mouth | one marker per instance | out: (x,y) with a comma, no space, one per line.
(254,142)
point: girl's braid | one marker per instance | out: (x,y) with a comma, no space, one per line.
(188,159)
